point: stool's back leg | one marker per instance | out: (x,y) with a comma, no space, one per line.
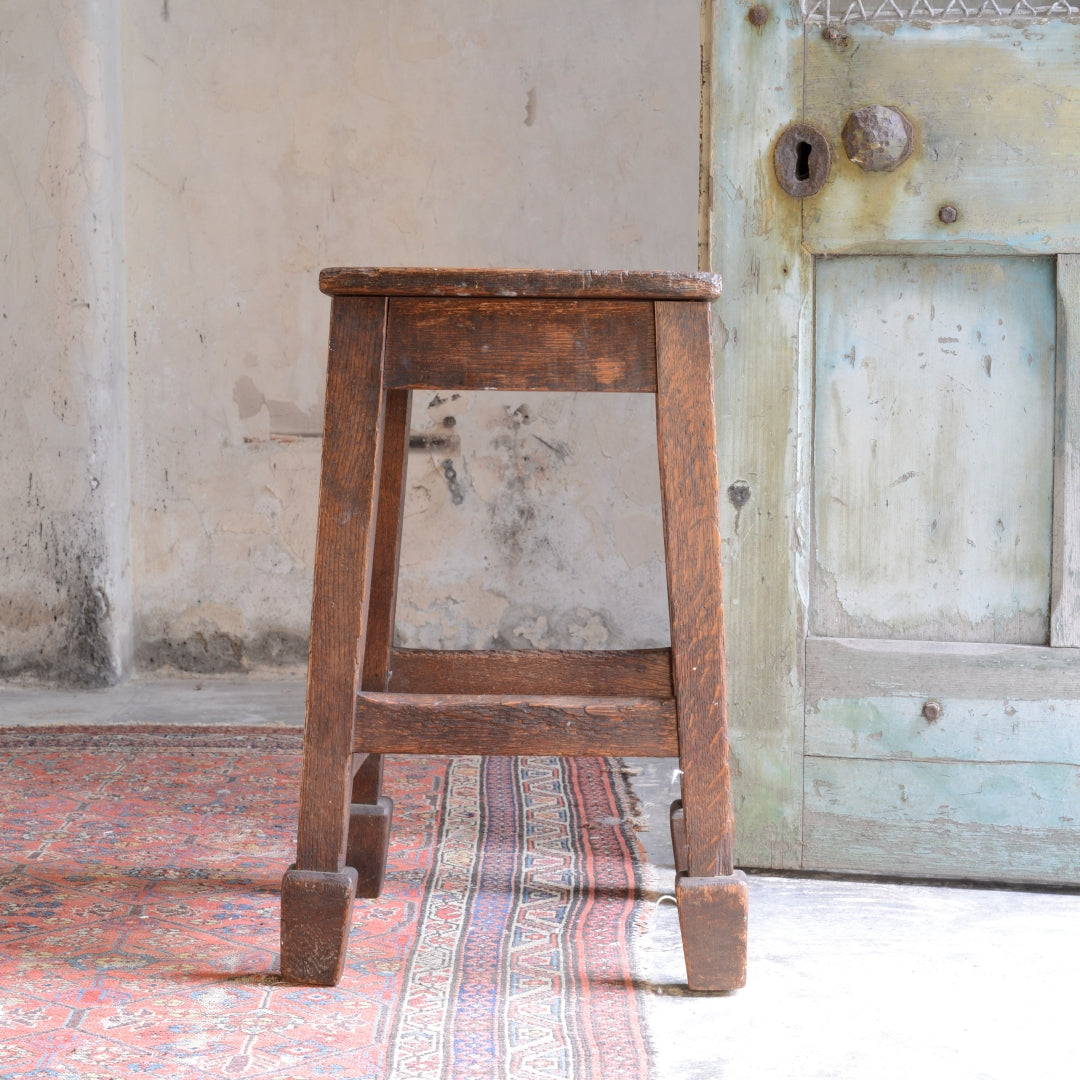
(316,896)
(371,812)
(712,896)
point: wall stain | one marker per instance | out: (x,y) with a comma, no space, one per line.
(74,645)
(221,653)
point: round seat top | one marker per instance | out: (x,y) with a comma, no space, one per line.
(535,284)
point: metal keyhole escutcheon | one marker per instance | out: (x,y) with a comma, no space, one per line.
(802,160)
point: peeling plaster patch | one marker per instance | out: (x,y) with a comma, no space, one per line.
(536,633)
(591,631)
(525,626)
(460,619)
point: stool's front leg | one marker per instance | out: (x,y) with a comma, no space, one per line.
(317,893)
(711,895)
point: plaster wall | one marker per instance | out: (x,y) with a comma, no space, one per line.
(65,571)
(262,142)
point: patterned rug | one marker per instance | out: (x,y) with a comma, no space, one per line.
(139,877)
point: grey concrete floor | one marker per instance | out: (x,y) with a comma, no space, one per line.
(846,979)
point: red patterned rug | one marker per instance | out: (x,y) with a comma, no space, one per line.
(139,876)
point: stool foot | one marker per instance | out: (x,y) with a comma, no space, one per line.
(316,910)
(712,917)
(369,840)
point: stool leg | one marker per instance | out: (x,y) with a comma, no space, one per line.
(371,812)
(370,816)
(317,893)
(711,895)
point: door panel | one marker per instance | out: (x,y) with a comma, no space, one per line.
(934,448)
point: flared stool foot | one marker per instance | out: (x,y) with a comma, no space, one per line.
(712,918)
(316,910)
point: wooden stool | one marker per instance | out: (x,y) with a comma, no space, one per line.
(393,331)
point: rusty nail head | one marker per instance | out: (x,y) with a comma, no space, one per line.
(835,37)
(947,214)
(758,15)
(877,138)
(932,711)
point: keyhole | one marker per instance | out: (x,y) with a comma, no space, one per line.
(801,159)
(803,150)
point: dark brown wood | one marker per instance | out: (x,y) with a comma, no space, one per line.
(690,497)
(523,330)
(367,779)
(532,672)
(678,837)
(352,454)
(494,724)
(369,842)
(546,284)
(713,919)
(316,909)
(383,600)
(521,345)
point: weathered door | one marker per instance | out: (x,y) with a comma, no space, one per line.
(898,359)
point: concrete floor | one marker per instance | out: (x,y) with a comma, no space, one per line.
(846,979)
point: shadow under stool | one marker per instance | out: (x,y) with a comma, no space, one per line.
(397,330)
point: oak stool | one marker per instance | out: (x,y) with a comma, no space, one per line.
(396,330)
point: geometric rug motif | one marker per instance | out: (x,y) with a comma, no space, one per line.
(139,916)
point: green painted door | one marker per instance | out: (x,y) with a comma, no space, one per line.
(899,416)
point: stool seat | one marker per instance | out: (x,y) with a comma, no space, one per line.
(507,284)
(395,330)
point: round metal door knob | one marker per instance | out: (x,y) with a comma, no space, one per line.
(932,711)
(878,138)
